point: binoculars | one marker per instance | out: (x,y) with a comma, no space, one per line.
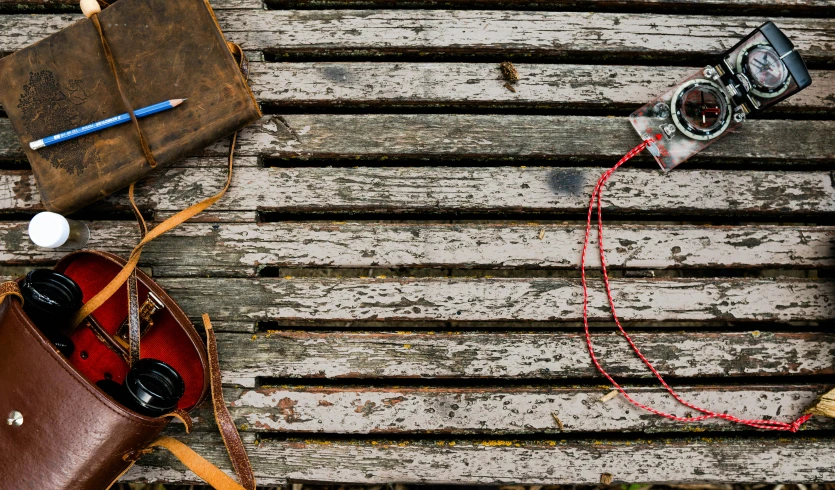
(50,299)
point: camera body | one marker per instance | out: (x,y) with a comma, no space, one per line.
(759,71)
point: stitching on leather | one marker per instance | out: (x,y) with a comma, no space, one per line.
(83,385)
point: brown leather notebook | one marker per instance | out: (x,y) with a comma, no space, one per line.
(163,50)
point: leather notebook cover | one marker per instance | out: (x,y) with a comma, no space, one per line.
(164,50)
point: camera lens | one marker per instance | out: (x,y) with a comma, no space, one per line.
(50,299)
(153,387)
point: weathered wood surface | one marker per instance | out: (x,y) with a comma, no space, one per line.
(718,460)
(462,387)
(502,299)
(542,86)
(501,411)
(604,36)
(244,248)
(518,356)
(524,139)
(483,190)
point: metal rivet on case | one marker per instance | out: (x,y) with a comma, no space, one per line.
(15,418)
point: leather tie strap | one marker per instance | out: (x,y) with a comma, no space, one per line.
(112,62)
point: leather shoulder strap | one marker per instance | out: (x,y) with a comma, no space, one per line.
(198,464)
(10,288)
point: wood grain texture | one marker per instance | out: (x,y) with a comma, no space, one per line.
(518,356)
(541,86)
(242,249)
(501,411)
(530,139)
(481,190)
(502,299)
(720,460)
(476,32)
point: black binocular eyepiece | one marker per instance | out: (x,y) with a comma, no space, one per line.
(50,299)
(151,387)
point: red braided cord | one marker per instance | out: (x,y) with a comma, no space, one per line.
(597,194)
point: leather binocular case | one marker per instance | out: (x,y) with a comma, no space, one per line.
(61,431)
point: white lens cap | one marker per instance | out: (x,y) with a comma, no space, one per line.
(49,230)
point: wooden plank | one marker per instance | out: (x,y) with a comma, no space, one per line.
(794,459)
(241,249)
(526,139)
(502,411)
(542,86)
(481,190)
(532,355)
(303,299)
(562,35)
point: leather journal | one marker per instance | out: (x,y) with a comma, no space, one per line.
(162,50)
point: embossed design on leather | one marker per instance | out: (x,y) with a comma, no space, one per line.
(47,110)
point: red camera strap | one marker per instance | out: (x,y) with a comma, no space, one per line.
(597,195)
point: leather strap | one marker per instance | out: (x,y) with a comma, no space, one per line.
(133,319)
(134,332)
(146,150)
(172,222)
(10,288)
(228,431)
(196,463)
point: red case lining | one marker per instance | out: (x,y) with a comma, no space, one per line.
(166,341)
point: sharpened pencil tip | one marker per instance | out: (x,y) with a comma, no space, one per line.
(176,102)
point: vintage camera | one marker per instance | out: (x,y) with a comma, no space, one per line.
(759,71)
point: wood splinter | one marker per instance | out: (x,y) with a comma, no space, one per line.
(608,396)
(558,421)
(825,405)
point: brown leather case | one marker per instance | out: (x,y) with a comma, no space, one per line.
(163,50)
(73,436)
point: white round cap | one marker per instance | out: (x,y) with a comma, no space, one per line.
(49,230)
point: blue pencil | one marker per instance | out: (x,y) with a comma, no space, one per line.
(106,123)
